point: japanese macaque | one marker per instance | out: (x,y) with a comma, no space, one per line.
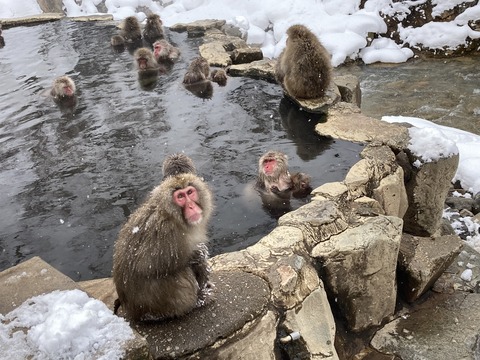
(153,29)
(159,262)
(164,52)
(198,70)
(179,163)
(2,41)
(144,60)
(131,31)
(219,76)
(301,185)
(63,87)
(304,67)
(202,89)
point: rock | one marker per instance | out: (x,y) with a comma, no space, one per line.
(422,260)
(358,267)
(246,55)
(317,337)
(335,191)
(459,203)
(104,17)
(349,88)
(443,327)
(240,298)
(199,27)
(427,190)
(261,69)
(215,54)
(258,342)
(229,43)
(318,220)
(391,194)
(100,289)
(320,105)
(31,20)
(344,121)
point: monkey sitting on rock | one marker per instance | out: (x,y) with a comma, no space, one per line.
(160,265)
(304,67)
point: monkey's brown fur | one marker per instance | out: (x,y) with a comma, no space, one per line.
(58,91)
(179,163)
(304,66)
(163,52)
(279,180)
(153,29)
(117,40)
(198,70)
(144,59)
(219,76)
(131,31)
(152,258)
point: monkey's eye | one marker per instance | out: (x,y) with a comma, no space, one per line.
(190,192)
(180,196)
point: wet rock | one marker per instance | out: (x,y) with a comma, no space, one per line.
(258,342)
(240,299)
(105,17)
(443,327)
(320,105)
(261,69)
(31,20)
(422,260)
(346,122)
(358,267)
(317,337)
(199,27)
(349,88)
(427,190)
(246,55)
(215,54)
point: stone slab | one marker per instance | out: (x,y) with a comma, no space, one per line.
(30,20)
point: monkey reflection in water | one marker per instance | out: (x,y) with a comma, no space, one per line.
(160,265)
(277,186)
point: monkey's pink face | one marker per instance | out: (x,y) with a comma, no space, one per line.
(269,166)
(187,199)
(67,90)
(157,49)
(142,63)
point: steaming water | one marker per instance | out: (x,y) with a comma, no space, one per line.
(69,181)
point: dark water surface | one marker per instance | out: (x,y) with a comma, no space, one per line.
(69,181)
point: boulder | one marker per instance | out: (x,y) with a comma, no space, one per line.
(215,54)
(246,55)
(349,88)
(199,27)
(261,69)
(422,260)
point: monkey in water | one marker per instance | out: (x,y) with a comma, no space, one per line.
(179,163)
(159,269)
(63,93)
(144,60)
(198,70)
(153,29)
(219,76)
(131,31)
(274,177)
(117,42)
(304,67)
(164,52)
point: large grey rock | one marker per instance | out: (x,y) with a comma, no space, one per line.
(261,69)
(31,20)
(215,54)
(240,298)
(318,336)
(346,122)
(359,269)
(427,188)
(199,27)
(246,55)
(318,105)
(422,260)
(444,327)
(391,194)
(349,88)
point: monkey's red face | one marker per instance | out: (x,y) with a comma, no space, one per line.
(142,63)
(67,90)
(269,166)
(187,199)
(157,49)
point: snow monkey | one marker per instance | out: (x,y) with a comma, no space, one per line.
(219,76)
(198,70)
(159,262)
(164,52)
(153,29)
(179,163)
(131,31)
(303,68)
(274,177)
(144,59)
(63,87)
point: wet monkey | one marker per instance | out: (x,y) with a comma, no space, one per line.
(178,163)
(153,29)
(159,265)
(304,67)
(198,70)
(63,87)
(144,60)
(131,31)
(219,76)
(117,41)
(164,52)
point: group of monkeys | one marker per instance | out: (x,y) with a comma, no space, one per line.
(160,260)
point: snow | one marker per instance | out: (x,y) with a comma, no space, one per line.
(63,325)
(341,26)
